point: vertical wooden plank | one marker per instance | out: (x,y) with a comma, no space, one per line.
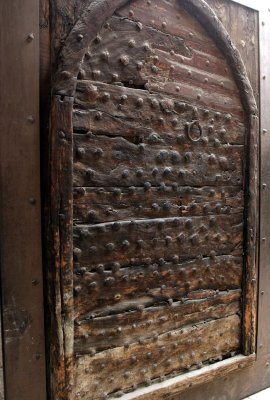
(1,365)
(20,227)
(263,344)
(60,266)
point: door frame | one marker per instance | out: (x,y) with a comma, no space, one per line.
(22,310)
(19,372)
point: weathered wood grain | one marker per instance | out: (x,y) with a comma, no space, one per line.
(157,239)
(212,24)
(160,184)
(60,274)
(106,332)
(105,161)
(244,35)
(210,374)
(137,114)
(135,287)
(122,369)
(21,312)
(177,22)
(98,205)
(161,63)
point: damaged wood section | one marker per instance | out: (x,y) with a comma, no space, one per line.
(99,204)
(123,324)
(138,287)
(136,113)
(155,358)
(102,161)
(124,51)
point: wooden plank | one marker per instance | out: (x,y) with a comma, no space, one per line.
(122,369)
(167,18)
(104,161)
(244,35)
(138,287)
(101,107)
(263,340)
(20,216)
(98,205)
(2,387)
(168,54)
(195,379)
(189,238)
(177,22)
(63,17)
(115,330)
(60,249)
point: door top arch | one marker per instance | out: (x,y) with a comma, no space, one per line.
(97,13)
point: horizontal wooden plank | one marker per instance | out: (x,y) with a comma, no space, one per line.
(107,161)
(196,378)
(147,241)
(97,205)
(134,287)
(142,116)
(123,35)
(161,57)
(101,333)
(177,22)
(123,369)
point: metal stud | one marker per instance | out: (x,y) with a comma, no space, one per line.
(187,157)
(146,46)
(105,55)
(139,65)
(154,103)
(124,59)
(131,43)
(110,246)
(147,185)
(125,244)
(189,223)
(139,102)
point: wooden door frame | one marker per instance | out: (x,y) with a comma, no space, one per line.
(20,211)
(25,379)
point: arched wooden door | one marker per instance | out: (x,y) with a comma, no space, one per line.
(153,133)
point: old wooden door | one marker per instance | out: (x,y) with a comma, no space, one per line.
(153,137)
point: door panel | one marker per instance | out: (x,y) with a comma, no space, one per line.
(158,136)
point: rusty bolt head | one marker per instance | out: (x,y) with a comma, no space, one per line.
(124,59)
(30,37)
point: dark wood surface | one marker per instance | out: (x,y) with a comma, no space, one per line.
(20,225)
(20,241)
(157,109)
(132,155)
